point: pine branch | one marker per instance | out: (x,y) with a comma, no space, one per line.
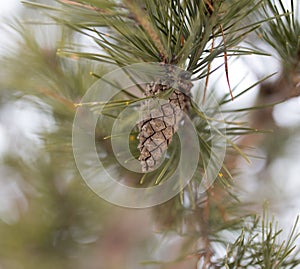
(263,248)
(177,32)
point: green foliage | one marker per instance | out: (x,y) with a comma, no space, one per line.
(283,33)
(260,246)
(172,32)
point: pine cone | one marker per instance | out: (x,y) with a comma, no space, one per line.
(157,129)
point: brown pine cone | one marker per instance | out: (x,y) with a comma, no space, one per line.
(157,129)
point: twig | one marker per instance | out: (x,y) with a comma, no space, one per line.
(205,232)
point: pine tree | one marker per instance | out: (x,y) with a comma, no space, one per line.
(166,50)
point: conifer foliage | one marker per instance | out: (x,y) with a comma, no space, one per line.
(59,222)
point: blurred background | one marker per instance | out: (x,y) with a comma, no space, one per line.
(49,218)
